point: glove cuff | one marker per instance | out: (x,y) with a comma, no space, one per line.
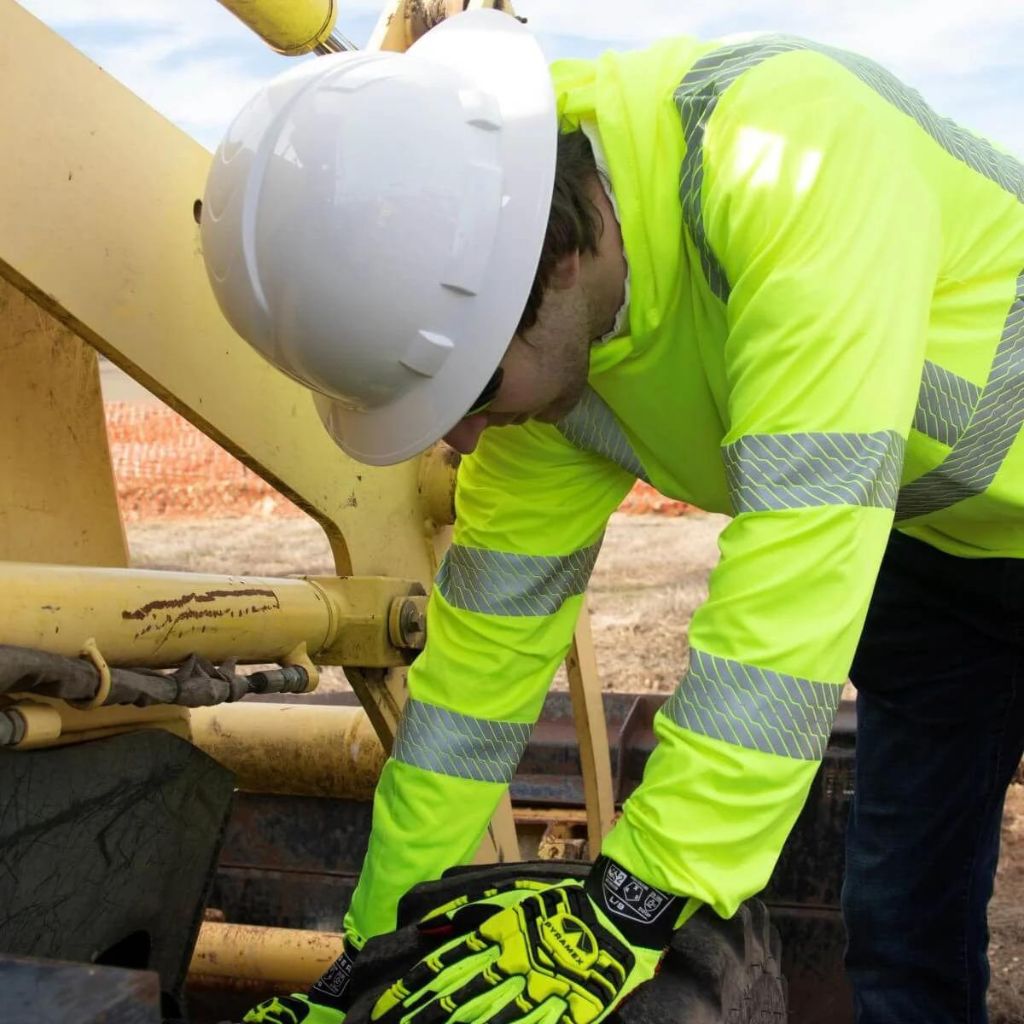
(334,986)
(644,915)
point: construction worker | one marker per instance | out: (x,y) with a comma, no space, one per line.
(763,276)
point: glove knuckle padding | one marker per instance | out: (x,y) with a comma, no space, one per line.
(548,946)
(716,970)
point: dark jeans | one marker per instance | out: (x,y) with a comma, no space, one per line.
(940,729)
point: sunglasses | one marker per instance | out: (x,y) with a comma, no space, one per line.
(488,394)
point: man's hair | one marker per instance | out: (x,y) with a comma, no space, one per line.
(574,224)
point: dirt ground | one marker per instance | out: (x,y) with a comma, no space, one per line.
(650,576)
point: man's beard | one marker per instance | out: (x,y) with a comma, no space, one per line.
(574,370)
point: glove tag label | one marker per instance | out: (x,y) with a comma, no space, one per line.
(331,988)
(641,910)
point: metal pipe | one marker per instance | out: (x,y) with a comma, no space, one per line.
(54,723)
(291,27)
(12,728)
(293,749)
(335,43)
(280,959)
(156,619)
(438,468)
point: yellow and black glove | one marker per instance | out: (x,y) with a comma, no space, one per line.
(294,1009)
(538,954)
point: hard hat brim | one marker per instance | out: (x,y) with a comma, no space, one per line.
(502,57)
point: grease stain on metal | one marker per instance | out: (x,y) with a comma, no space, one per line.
(168,615)
(207,596)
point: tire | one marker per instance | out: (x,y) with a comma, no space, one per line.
(716,972)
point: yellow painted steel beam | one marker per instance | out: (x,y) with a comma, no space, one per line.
(402,22)
(58,502)
(97,226)
(292,27)
(121,267)
(591,733)
(281,960)
(293,749)
(156,619)
(393,29)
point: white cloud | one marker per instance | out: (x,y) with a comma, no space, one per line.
(951,52)
(185,19)
(200,94)
(919,34)
(191,60)
(195,63)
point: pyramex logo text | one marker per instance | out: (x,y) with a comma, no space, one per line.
(570,937)
(630,898)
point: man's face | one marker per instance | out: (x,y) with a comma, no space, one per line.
(545,370)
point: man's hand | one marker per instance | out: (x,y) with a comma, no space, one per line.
(536,955)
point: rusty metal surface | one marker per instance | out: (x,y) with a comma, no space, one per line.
(36,991)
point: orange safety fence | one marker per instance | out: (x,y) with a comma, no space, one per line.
(166,468)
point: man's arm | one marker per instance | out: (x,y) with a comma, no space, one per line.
(826,250)
(531,512)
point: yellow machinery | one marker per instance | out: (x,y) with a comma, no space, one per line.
(142,749)
(99,252)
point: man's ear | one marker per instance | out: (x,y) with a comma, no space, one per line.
(566,271)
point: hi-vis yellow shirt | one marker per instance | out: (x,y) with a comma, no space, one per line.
(825,341)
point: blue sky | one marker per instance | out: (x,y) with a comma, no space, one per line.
(192,61)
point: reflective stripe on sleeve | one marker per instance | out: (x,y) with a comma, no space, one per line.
(980,442)
(944,404)
(704,84)
(769,472)
(696,98)
(503,583)
(754,707)
(448,743)
(979,451)
(592,427)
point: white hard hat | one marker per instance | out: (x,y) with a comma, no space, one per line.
(372,224)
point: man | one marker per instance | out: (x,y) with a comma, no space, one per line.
(773,283)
